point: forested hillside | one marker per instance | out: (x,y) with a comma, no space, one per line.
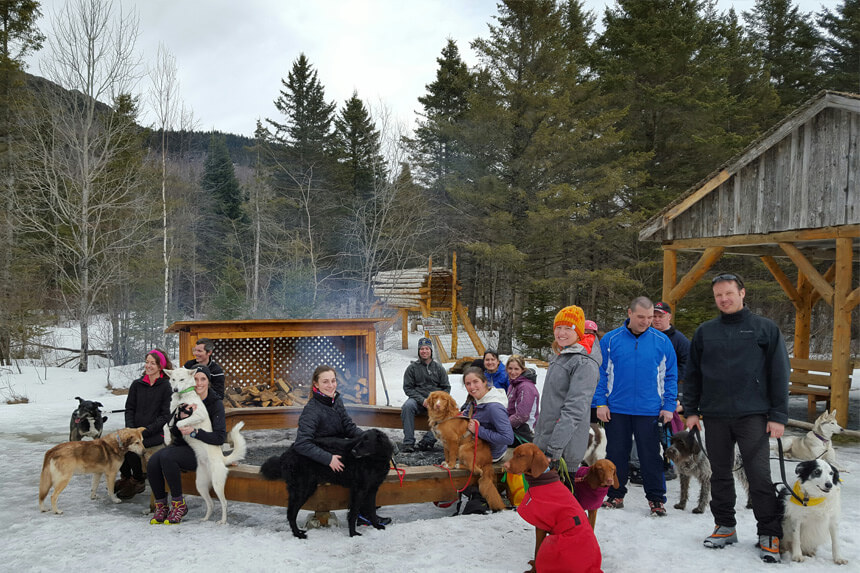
(537,166)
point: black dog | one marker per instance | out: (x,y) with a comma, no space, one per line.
(87,420)
(365,460)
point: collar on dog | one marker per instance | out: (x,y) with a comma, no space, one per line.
(806,499)
(186,391)
(822,438)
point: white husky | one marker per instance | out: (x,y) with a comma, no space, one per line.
(816,443)
(211,462)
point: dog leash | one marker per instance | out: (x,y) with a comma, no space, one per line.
(401,473)
(799,499)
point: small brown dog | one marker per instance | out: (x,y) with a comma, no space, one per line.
(101,456)
(451,429)
(571,546)
(591,485)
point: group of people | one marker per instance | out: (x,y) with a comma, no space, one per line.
(734,371)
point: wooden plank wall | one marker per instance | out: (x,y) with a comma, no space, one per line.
(809,179)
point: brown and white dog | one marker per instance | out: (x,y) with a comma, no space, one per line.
(591,484)
(563,541)
(102,456)
(460,448)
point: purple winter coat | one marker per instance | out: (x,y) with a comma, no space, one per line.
(523,400)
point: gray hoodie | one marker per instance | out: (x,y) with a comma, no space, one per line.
(565,405)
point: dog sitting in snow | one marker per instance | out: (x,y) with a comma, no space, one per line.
(816,443)
(187,409)
(808,521)
(87,420)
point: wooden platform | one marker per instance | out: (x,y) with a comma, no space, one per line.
(420,484)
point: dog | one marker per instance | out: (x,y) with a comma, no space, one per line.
(102,456)
(450,427)
(563,543)
(816,443)
(691,462)
(596,449)
(807,522)
(366,462)
(87,420)
(591,484)
(211,461)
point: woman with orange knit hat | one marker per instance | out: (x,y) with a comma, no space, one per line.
(562,429)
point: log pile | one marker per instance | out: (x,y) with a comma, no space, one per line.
(352,390)
(405,288)
(281,394)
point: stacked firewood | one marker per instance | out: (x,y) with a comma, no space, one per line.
(281,394)
(351,389)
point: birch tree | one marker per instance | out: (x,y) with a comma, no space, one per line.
(84,192)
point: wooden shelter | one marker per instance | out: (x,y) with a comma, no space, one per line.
(428,291)
(793,196)
(255,352)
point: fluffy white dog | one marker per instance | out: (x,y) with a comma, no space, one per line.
(808,521)
(211,462)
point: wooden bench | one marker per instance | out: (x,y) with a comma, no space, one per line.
(815,385)
(420,484)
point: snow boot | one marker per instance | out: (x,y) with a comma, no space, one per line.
(160,512)
(723,535)
(769,548)
(178,509)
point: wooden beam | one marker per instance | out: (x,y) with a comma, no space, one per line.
(467,324)
(828,276)
(783,281)
(404,329)
(852,299)
(841,374)
(696,196)
(822,286)
(705,262)
(670,275)
(799,236)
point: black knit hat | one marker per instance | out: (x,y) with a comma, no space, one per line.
(425,342)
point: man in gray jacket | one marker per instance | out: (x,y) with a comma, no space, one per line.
(422,377)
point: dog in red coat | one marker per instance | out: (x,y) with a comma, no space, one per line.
(564,541)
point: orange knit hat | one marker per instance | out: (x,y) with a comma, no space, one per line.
(571,316)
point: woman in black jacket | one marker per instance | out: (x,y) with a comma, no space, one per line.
(325,416)
(147,405)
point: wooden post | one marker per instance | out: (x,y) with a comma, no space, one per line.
(670,275)
(802,317)
(705,262)
(841,373)
(454,306)
(404,329)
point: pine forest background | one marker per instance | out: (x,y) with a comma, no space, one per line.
(537,166)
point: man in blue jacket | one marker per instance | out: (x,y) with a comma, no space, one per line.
(737,379)
(636,393)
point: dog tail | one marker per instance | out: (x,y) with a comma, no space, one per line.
(45,481)
(272,469)
(240,447)
(487,487)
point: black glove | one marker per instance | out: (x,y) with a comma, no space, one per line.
(553,465)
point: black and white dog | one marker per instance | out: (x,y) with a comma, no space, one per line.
(807,521)
(87,420)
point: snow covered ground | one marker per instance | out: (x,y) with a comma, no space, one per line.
(100,536)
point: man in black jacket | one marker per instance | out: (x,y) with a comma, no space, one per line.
(202,351)
(737,379)
(422,377)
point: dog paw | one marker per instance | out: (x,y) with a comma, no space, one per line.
(840,561)
(680,505)
(354,534)
(799,558)
(379,526)
(699,510)
(58,512)
(115,499)
(445,465)
(300,533)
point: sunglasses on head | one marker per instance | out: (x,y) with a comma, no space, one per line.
(728,277)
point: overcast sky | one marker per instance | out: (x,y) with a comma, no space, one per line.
(233,54)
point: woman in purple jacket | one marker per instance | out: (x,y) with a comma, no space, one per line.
(523,399)
(486,408)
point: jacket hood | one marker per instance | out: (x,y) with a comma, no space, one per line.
(496,395)
(525,377)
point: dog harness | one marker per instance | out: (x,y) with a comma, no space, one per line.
(806,499)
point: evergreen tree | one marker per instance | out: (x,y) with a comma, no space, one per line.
(358,150)
(435,148)
(220,183)
(19,36)
(841,59)
(789,44)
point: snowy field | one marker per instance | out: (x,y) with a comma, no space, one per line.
(100,536)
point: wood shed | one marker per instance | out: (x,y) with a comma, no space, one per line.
(792,198)
(257,353)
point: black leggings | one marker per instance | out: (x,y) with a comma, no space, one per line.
(168,464)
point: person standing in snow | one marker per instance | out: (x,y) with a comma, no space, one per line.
(562,428)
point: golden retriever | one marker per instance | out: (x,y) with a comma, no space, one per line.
(451,429)
(100,456)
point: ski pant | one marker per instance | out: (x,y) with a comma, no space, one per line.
(167,464)
(620,431)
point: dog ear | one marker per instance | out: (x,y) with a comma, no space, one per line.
(99,404)
(79,399)
(836,479)
(104,418)
(169,372)
(539,462)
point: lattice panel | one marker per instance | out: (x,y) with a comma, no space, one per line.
(249,361)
